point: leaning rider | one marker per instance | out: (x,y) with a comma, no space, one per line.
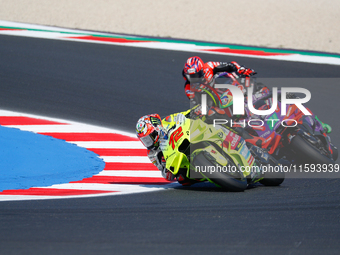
(149,131)
(198,75)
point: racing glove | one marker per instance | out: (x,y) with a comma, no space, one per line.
(243,70)
(246,71)
(196,112)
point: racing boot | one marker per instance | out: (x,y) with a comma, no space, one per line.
(325,126)
(182,179)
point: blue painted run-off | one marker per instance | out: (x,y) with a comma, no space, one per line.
(33,160)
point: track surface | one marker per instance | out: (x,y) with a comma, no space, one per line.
(113,86)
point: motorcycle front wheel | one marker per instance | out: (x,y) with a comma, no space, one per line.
(230,181)
(273,178)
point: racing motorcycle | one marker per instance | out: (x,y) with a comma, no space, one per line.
(294,137)
(203,152)
(304,141)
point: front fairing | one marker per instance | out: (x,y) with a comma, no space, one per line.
(178,132)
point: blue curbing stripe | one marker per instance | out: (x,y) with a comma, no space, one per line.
(33,160)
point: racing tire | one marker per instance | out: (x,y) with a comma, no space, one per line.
(273,178)
(273,173)
(222,179)
(335,152)
(307,153)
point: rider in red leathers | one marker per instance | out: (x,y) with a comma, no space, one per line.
(196,72)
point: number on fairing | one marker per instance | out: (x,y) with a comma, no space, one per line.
(175,137)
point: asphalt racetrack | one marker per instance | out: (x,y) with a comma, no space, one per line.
(113,86)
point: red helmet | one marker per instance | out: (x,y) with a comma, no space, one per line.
(148,130)
(193,69)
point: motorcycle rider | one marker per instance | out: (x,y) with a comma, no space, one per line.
(149,131)
(199,78)
(196,73)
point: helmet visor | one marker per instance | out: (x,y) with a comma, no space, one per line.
(147,141)
(197,75)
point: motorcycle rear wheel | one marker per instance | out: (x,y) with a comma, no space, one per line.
(307,153)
